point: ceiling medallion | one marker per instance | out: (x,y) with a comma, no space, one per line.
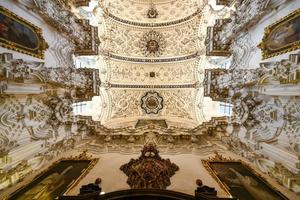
(149,170)
(152,102)
(152,44)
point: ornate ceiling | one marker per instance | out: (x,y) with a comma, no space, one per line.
(138,10)
(175,73)
(152,61)
(145,41)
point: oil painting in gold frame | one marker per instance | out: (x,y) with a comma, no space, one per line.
(57,180)
(239,180)
(281,37)
(20,35)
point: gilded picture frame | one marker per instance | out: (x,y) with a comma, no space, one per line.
(239,180)
(21,35)
(56,180)
(282,36)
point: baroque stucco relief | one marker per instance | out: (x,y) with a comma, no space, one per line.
(126,40)
(177,103)
(137,11)
(169,73)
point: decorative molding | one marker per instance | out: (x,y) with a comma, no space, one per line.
(80,3)
(211,89)
(177,103)
(152,44)
(269,36)
(82,157)
(210,127)
(225,31)
(179,21)
(82,83)
(19,46)
(218,82)
(224,2)
(200,140)
(78,31)
(213,45)
(152,13)
(169,11)
(112,85)
(152,102)
(218,158)
(128,41)
(172,74)
(152,60)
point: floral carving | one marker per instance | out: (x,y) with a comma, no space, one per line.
(152,102)
(152,44)
(149,170)
(152,13)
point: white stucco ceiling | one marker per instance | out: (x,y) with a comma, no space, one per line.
(129,68)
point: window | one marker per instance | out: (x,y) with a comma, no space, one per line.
(226,64)
(226,108)
(79,108)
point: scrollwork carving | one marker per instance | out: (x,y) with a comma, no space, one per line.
(149,170)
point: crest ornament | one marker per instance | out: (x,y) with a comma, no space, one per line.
(149,170)
(152,102)
(152,12)
(152,44)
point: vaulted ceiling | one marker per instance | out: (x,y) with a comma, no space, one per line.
(152,61)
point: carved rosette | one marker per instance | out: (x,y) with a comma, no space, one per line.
(152,44)
(149,170)
(152,102)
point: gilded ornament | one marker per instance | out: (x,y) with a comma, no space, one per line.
(281,37)
(232,174)
(149,170)
(20,35)
(58,179)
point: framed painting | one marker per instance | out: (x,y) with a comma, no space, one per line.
(57,180)
(20,35)
(281,37)
(239,180)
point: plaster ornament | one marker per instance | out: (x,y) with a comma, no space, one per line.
(152,44)
(152,102)
(149,170)
(152,12)
(169,11)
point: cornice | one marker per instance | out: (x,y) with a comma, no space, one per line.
(151,60)
(153,25)
(113,85)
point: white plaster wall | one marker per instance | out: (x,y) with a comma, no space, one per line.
(257,32)
(56,54)
(113,179)
(190,169)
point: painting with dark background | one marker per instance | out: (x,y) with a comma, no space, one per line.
(242,183)
(20,35)
(54,182)
(282,36)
